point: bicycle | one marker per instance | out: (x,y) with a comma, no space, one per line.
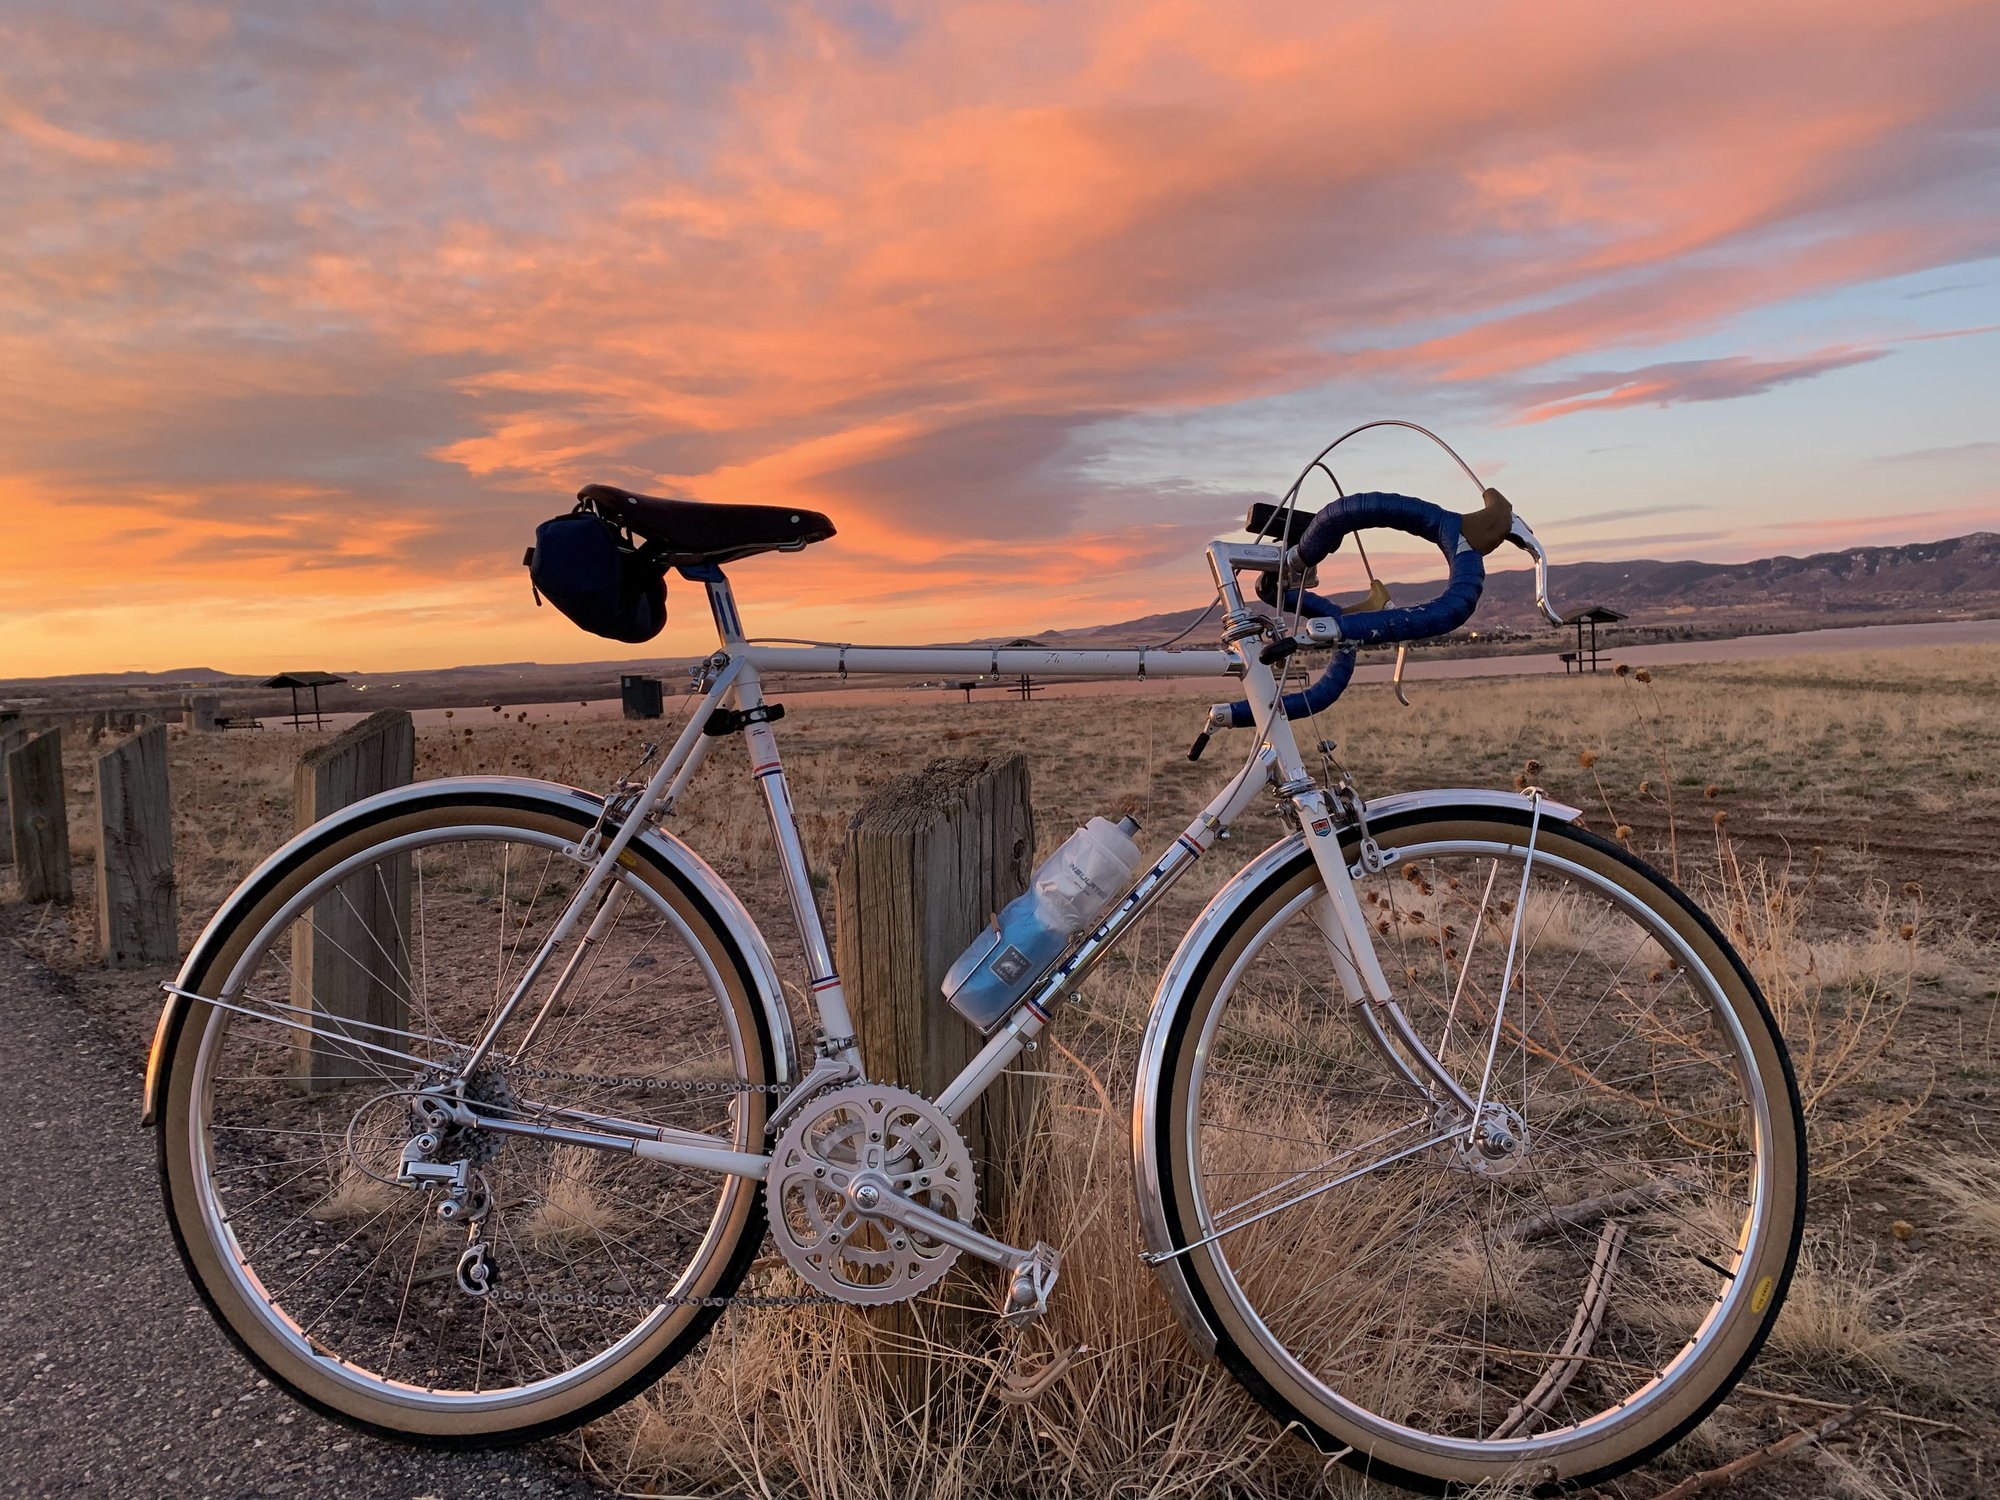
(1462,1138)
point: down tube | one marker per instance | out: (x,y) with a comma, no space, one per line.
(1031,1016)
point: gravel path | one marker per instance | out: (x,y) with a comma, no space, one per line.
(113,1381)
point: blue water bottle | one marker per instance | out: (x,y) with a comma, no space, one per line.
(1065,895)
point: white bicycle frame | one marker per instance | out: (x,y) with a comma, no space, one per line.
(735,685)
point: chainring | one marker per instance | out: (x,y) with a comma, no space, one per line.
(837,1249)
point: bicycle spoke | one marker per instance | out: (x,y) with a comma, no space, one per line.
(305,1170)
(1412,1287)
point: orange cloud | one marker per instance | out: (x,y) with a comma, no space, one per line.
(339,306)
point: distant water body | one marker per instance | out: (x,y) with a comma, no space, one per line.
(1739,648)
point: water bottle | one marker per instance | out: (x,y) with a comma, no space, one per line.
(1066,894)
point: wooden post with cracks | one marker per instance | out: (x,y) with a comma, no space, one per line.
(38,818)
(927,862)
(138,916)
(351,956)
(12,736)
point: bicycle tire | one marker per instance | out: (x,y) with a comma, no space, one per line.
(241,1303)
(1247,1338)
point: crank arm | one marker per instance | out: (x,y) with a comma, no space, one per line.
(1031,1273)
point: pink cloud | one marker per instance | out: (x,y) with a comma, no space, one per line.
(1682,380)
(440,267)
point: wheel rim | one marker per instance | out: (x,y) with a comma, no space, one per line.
(1534,1288)
(353,1276)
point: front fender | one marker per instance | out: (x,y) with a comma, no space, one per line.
(515,791)
(1172,994)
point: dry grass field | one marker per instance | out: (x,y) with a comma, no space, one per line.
(1840,815)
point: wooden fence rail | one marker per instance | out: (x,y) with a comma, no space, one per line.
(351,956)
(138,913)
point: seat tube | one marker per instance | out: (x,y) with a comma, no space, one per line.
(829,999)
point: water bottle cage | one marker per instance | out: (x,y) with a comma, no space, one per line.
(732,721)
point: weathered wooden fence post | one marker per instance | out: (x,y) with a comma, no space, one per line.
(928,860)
(39,818)
(351,956)
(10,739)
(138,916)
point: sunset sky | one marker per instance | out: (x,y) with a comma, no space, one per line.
(308,313)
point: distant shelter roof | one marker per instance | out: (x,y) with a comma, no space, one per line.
(1593,614)
(303,679)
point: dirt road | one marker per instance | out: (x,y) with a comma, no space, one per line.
(113,1382)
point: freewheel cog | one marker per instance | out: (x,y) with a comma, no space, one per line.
(460,1141)
(838,1249)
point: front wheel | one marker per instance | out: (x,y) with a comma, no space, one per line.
(1542,1291)
(312,1196)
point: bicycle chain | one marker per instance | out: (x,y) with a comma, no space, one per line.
(636,1299)
(685,1085)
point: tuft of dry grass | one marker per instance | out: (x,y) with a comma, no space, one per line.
(1835,1320)
(573,1210)
(356,1196)
(1839,1002)
(1969,1187)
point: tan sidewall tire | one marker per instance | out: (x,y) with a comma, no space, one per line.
(1698,1386)
(733,1232)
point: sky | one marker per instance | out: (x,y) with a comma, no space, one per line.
(309,313)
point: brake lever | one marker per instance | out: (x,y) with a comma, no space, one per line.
(1524,538)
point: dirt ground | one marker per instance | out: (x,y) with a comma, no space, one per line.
(1841,814)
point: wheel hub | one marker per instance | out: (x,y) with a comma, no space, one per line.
(1496,1146)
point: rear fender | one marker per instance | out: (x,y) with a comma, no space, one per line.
(761,974)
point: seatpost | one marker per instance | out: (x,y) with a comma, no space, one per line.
(721,602)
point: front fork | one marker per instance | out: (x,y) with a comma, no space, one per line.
(1358,967)
(1338,914)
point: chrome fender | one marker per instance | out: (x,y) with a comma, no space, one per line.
(1171,995)
(508,790)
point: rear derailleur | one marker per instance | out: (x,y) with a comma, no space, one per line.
(463,1196)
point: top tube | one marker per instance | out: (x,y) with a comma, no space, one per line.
(1011,661)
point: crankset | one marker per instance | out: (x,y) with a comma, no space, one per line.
(871,1196)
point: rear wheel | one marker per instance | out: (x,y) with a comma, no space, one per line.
(282,1149)
(1545,1297)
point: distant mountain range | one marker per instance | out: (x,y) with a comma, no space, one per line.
(1953,579)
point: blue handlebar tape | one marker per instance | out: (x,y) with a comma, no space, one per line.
(1329,685)
(1434,524)
(1440,616)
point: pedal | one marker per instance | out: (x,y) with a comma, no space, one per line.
(1034,1277)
